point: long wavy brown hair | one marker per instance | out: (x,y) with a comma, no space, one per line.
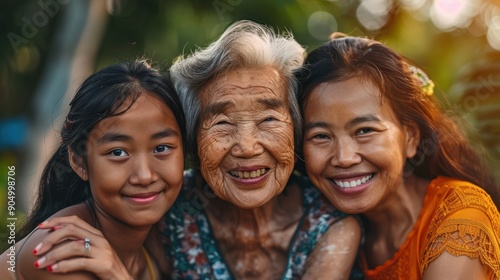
(444,148)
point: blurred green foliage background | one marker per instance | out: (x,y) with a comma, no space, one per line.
(49,46)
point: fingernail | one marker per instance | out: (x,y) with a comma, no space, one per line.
(40,261)
(37,248)
(43,223)
(52,267)
(56,228)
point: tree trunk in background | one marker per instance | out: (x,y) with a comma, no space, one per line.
(71,60)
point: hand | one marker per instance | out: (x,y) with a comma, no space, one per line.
(63,250)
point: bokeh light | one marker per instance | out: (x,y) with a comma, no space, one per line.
(321,24)
(493,34)
(373,14)
(412,5)
(448,15)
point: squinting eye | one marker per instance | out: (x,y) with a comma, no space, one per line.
(364,131)
(221,123)
(162,149)
(320,136)
(118,153)
(269,119)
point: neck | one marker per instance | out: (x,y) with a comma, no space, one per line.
(390,223)
(272,216)
(256,241)
(126,240)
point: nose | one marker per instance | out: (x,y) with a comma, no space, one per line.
(247,143)
(345,153)
(143,172)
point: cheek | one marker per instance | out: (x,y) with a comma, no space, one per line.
(280,142)
(104,177)
(315,159)
(174,171)
(211,147)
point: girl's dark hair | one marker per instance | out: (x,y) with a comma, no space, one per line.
(443,149)
(100,96)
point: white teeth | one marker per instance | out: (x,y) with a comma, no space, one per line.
(353,183)
(248,175)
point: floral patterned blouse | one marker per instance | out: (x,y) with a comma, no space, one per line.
(194,251)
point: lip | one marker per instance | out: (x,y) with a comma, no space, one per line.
(357,179)
(245,171)
(143,198)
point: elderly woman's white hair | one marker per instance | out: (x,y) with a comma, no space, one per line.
(243,44)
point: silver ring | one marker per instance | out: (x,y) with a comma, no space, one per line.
(86,245)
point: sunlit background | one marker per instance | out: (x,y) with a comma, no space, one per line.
(49,46)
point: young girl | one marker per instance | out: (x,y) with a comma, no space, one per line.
(377,144)
(119,168)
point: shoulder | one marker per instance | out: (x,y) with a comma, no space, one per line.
(453,195)
(334,255)
(348,230)
(465,222)
(9,261)
(25,261)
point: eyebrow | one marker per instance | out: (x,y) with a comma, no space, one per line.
(215,108)
(353,122)
(218,107)
(117,137)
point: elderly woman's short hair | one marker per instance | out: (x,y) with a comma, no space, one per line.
(243,44)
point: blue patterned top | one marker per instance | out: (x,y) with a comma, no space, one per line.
(192,246)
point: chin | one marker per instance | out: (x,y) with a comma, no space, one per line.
(251,202)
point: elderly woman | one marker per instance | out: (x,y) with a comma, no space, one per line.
(239,99)
(242,214)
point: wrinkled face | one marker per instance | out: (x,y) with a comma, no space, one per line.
(135,162)
(245,138)
(354,146)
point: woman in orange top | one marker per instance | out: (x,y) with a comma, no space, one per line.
(377,144)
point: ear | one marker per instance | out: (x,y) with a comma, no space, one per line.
(412,139)
(77,165)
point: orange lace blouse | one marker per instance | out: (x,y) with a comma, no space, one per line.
(457,217)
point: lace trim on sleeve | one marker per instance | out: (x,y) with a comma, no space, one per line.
(465,237)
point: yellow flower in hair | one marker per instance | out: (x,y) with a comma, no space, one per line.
(427,84)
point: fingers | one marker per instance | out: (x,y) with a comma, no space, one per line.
(66,228)
(74,265)
(101,269)
(68,250)
(97,267)
(61,221)
(71,256)
(63,250)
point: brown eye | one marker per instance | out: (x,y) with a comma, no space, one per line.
(162,149)
(118,153)
(320,136)
(364,130)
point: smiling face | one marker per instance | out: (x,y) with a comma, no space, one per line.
(135,162)
(245,137)
(354,146)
